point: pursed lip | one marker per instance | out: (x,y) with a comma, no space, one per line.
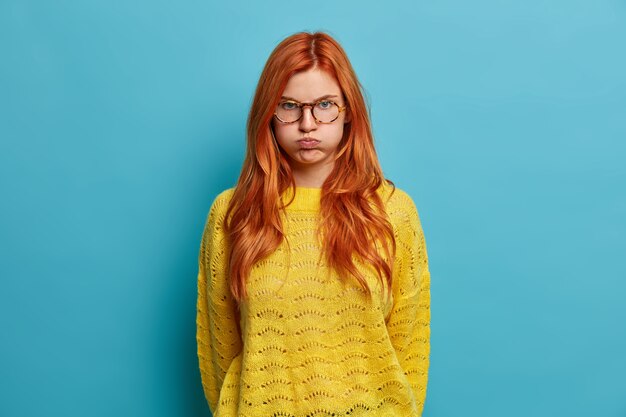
(308,143)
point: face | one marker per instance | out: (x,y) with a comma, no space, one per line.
(319,151)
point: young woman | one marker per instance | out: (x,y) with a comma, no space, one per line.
(313,282)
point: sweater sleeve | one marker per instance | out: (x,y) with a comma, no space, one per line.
(217,330)
(408,322)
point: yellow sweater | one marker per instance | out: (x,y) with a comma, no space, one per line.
(306,344)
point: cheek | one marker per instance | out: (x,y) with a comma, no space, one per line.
(337,133)
(285,139)
(283,135)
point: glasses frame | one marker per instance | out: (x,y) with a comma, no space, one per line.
(312,105)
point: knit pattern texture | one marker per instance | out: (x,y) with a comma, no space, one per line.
(307,342)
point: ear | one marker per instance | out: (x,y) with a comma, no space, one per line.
(348,117)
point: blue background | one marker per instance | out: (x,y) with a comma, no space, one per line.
(121,121)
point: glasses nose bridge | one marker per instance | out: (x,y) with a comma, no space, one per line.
(312,106)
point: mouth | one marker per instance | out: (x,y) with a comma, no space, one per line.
(308,143)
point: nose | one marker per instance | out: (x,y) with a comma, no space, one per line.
(307,121)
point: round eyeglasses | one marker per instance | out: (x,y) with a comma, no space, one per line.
(324,111)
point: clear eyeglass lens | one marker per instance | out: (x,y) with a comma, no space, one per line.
(324,111)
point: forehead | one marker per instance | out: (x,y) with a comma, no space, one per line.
(311,84)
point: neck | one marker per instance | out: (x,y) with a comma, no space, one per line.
(311,176)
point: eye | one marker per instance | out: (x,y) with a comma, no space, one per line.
(288,105)
(325,105)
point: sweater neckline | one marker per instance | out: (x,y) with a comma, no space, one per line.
(306,199)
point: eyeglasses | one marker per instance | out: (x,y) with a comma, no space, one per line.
(324,111)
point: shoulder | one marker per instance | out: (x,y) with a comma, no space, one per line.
(402,212)
(398,203)
(217,212)
(405,220)
(213,234)
(221,201)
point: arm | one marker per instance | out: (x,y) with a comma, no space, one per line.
(217,330)
(409,320)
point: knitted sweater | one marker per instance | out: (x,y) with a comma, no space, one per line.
(306,342)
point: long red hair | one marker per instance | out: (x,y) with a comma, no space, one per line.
(352,214)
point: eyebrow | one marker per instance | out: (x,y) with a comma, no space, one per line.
(317,99)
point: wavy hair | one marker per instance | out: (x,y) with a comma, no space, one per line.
(352,213)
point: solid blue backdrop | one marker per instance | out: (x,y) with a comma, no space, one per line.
(120,121)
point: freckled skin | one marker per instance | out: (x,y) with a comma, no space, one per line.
(311,166)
